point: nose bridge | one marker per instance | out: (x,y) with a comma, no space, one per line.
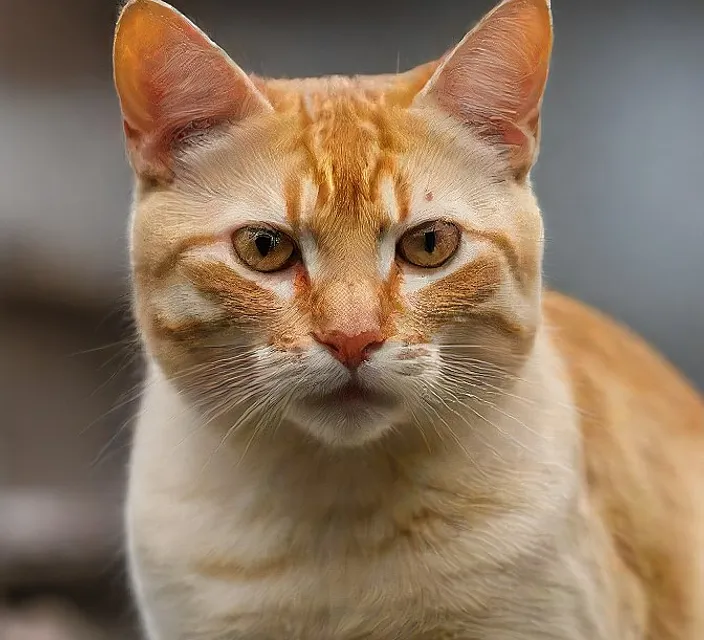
(347,304)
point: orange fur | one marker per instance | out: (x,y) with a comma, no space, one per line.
(643,430)
(519,467)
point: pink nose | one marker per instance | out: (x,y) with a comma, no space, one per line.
(350,350)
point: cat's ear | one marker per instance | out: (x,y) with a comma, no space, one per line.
(171,79)
(494,79)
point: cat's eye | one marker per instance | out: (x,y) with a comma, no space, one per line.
(430,244)
(263,248)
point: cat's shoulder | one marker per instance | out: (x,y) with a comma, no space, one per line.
(642,426)
(605,358)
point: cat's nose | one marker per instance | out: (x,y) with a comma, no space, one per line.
(350,350)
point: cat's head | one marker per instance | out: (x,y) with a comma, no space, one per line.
(350,255)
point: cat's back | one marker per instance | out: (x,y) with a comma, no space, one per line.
(643,431)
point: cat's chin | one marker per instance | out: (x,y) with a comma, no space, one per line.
(345,420)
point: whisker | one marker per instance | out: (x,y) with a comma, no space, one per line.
(452,433)
(131,341)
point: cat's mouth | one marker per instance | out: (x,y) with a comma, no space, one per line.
(353,393)
(348,413)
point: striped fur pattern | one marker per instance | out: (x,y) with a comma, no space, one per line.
(350,445)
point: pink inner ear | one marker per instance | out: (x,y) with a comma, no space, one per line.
(169,75)
(496,76)
(186,83)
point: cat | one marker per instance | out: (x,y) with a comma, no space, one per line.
(363,416)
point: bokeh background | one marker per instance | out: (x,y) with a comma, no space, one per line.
(620,179)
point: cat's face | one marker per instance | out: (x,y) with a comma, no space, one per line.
(348,255)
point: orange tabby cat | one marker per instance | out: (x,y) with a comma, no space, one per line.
(363,417)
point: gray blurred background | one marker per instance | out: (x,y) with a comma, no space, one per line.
(620,180)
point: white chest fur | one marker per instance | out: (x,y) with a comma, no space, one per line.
(284,543)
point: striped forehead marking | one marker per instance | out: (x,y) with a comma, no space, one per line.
(350,178)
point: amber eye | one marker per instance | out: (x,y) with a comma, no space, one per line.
(429,245)
(263,249)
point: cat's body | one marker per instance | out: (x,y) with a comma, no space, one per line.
(344,546)
(363,418)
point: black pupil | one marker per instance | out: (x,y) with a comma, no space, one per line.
(430,241)
(265,242)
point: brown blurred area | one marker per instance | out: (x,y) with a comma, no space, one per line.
(68,362)
(619,180)
(63,446)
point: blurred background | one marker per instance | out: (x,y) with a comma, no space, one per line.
(620,182)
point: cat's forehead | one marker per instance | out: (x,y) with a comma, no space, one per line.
(352,149)
(286,94)
(349,136)
(340,160)
(315,94)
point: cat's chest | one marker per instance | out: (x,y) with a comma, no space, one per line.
(400,594)
(272,551)
(361,578)
(345,599)
(415,599)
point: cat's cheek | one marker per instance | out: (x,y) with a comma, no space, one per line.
(412,328)
(181,303)
(172,318)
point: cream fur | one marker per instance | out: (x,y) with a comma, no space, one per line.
(517,567)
